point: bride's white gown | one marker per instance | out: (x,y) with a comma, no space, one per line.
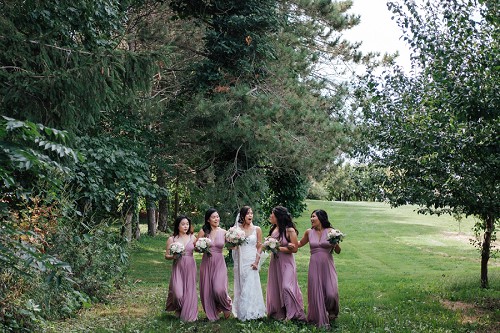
(248,302)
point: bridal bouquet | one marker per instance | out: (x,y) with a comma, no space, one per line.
(203,245)
(177,250)
(235,237)
(271,245)
(334,236)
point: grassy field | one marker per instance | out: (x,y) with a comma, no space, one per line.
(398,272)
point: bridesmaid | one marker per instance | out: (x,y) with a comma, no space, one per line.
(213,271)
(322,282)
(284,298)
(182,297)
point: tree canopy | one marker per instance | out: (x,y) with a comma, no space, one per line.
(436,130)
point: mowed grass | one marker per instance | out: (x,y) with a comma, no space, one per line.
(398,272)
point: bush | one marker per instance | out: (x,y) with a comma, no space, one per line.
(317,191)
(98,258)
(50,275)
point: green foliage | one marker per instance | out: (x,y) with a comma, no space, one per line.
(287,189)
(62,66)
(257,106)
(31,153)
(436,132)
(317,191)
(51,276)
(98,257)
(25,268)
(237,39)
(445,117)
(110,174)
(69,24)
(356,182)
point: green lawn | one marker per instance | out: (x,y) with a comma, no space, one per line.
(398,272)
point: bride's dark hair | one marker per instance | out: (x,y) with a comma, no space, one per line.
(243,212)
(284,221)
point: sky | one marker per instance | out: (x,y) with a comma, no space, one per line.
(377,31)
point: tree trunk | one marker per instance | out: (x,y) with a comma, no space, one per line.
(162,205)
(176,197)
(151,212)
(135,225)
(127,226)
(485,251)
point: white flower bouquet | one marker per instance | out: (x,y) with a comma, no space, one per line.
(334,236)
(203,245)
(271,245)
(177,250)
(235,237)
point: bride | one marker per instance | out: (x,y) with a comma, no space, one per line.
(248,302)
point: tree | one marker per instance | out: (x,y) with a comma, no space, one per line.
(436,132)
(64,72)
(256,94)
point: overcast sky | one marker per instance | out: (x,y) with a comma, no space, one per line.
(377,31)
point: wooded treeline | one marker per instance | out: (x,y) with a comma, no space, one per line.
(112,107)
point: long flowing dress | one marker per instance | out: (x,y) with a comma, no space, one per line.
(248,302)
(322,285)
(283,298)
(182,297)
(213,279)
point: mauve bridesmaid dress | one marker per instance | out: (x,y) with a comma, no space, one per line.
(182,296)
(283,296)
(213,279)
(322,285)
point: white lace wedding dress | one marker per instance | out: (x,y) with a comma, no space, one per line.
(248,302)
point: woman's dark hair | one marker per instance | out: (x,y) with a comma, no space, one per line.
(322,217)
(177,222)
(206,226)
(243,212)
(284,221)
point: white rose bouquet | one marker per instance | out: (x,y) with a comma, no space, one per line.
(235,237)
(335,236)
(177,250)
(271,245)
(203,245)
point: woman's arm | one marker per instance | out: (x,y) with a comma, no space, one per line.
(255,265)
(302,242)
(292,235)
(337,248)
(305,238)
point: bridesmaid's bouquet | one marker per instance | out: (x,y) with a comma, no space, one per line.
(235,237)
(203,245)
(177,250)
(271,245)
(334,236)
